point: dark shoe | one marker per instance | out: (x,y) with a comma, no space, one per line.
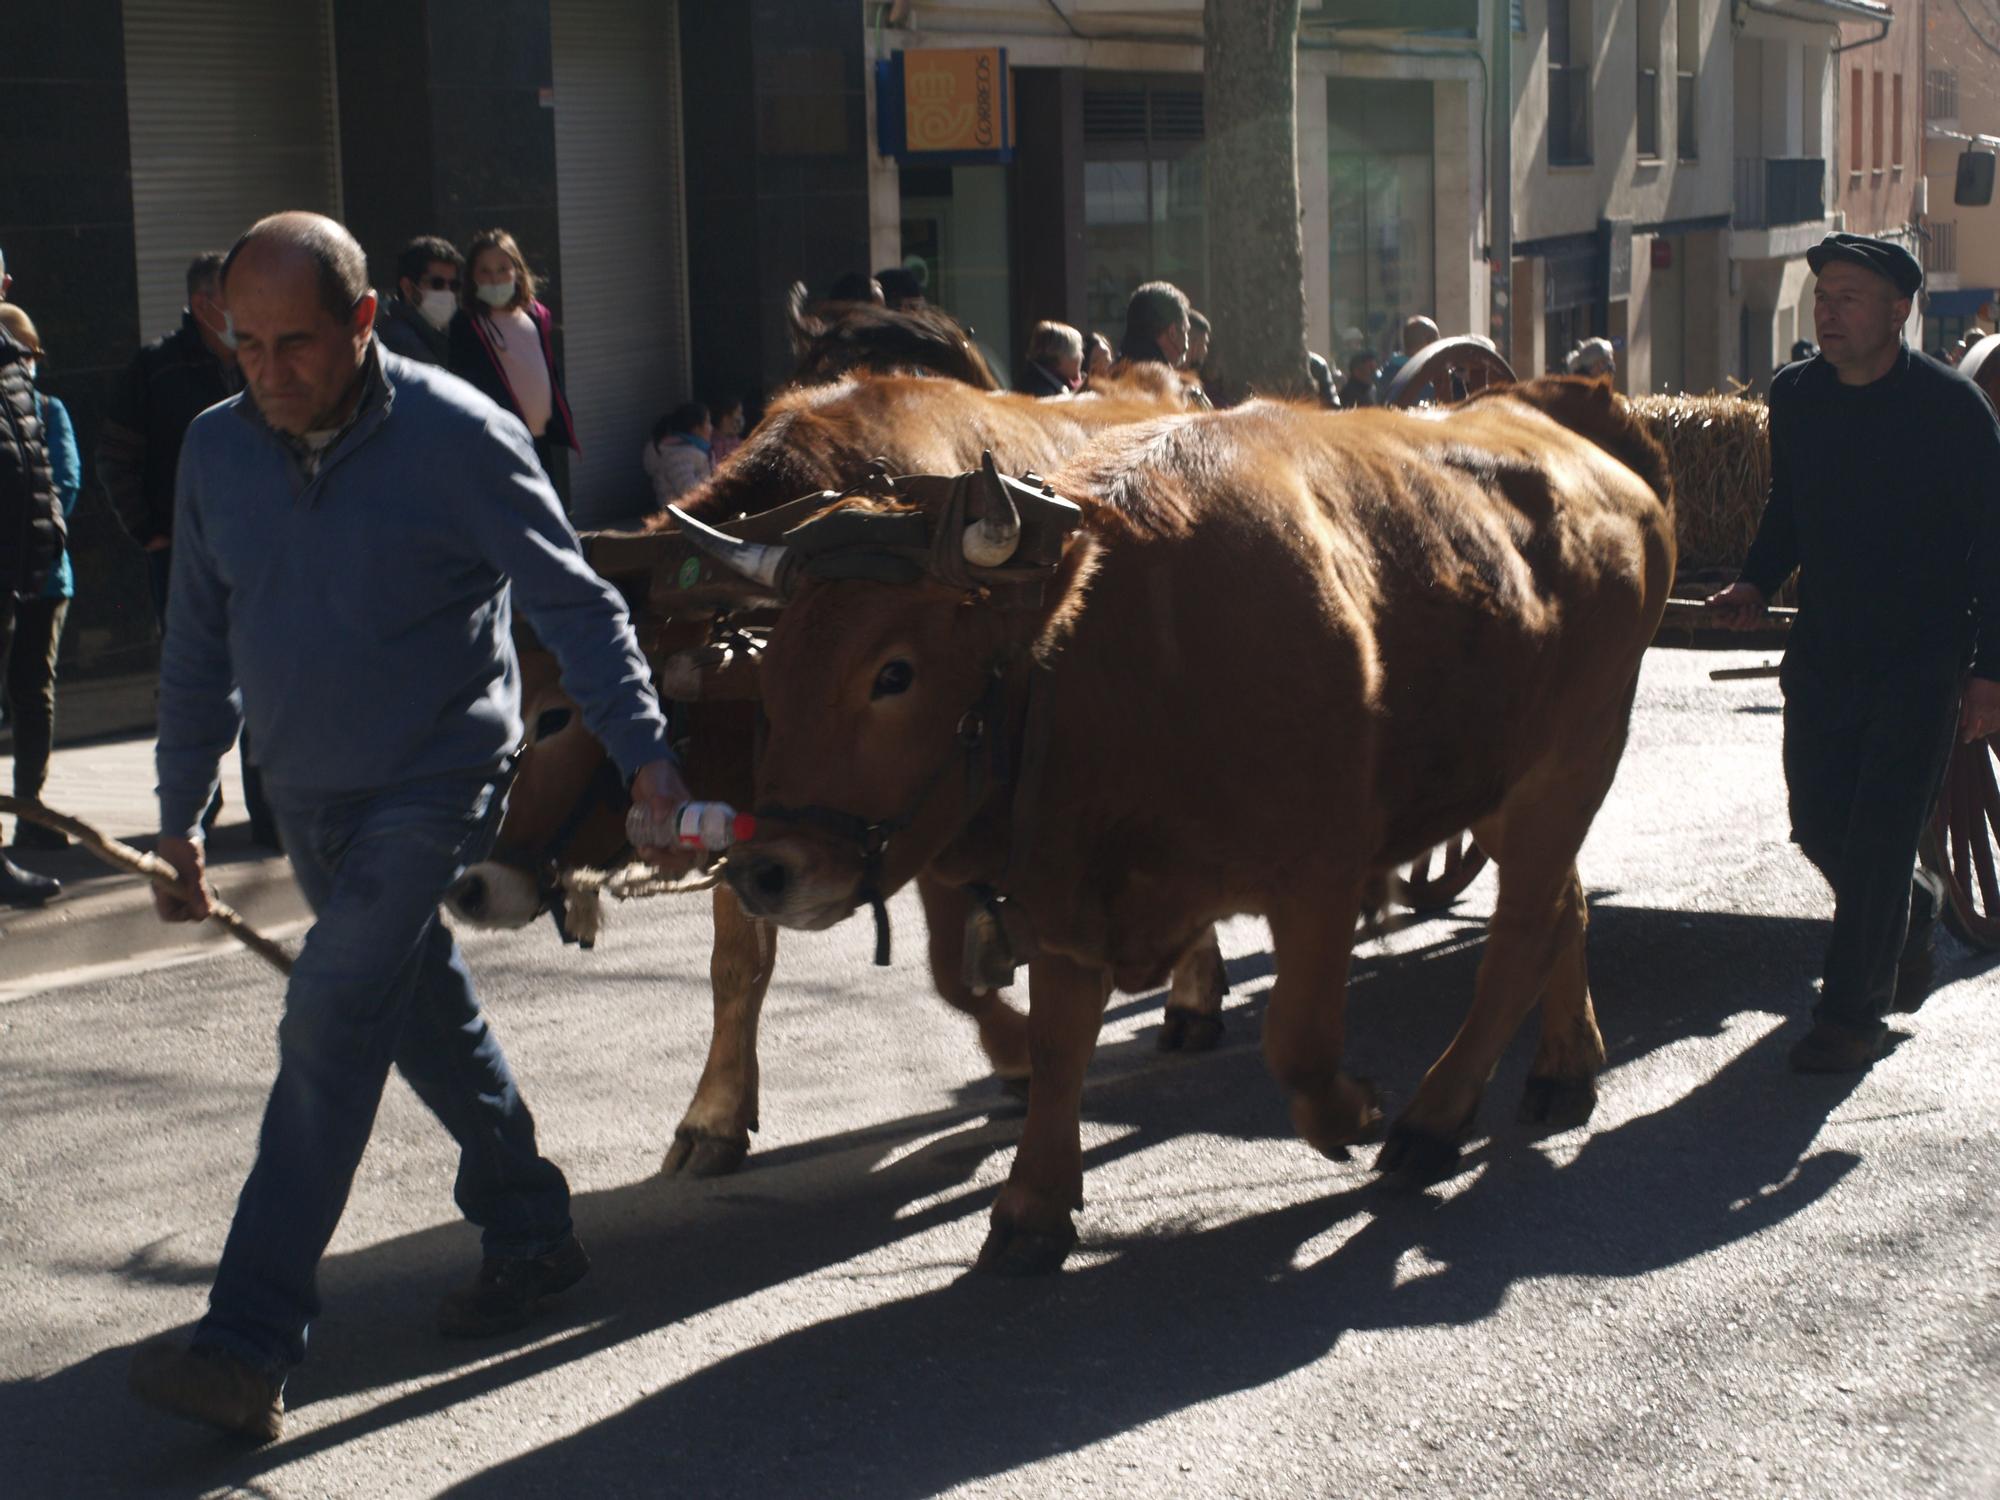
(208,1385)
(19,887)
(1838,1047)
(1916,971)
(264,834)
(503,1297)
(34,836)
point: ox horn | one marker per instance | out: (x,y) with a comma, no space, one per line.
(758,563)
(991,540)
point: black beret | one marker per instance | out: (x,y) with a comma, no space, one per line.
(1883,257)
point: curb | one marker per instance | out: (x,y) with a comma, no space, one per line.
(111,918)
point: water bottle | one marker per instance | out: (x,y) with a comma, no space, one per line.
(713,826)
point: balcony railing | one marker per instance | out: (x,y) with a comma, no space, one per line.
(1776,190)
(1941,249)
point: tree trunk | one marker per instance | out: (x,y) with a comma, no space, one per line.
(1256,252)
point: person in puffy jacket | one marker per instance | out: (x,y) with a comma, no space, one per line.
(678,457)
(33,540)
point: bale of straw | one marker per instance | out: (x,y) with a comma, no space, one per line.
(1719,453)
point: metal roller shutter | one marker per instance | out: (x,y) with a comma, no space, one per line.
(624,277)
(230,105)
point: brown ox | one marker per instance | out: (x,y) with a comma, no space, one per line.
(567,809)
(847,338)
(1286,651)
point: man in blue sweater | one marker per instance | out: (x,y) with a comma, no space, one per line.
(352,533)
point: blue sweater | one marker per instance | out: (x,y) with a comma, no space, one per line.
(365,613)
(66,468)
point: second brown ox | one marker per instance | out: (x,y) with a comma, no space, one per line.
(1285,652)
(567,808)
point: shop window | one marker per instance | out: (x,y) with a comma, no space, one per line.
(1144,193)
(956,233)
(1380,181)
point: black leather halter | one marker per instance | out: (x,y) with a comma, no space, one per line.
(605,789)
(981,726)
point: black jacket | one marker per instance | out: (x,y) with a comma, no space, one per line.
(1882,499)
(170,382)
(1035,381)
(404,330)
(32,537)
(472,361)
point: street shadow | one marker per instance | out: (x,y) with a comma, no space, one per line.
(914,1396)
(971,1381)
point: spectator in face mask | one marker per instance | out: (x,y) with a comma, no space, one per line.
(503,344)
(430,274)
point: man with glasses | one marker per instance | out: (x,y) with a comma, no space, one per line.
(429,273)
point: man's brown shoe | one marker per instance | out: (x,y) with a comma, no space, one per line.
(504,1295)
(208,1385)
(1839,1047)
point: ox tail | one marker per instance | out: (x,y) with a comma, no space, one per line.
(1592,409)
(802,325)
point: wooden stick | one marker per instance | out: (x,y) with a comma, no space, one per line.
(1737,674)
(153,868)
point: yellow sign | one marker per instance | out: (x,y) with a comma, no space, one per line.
(954,100)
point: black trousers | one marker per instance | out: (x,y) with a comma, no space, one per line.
(31,689)
(1863,771)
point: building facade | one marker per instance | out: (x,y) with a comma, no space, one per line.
(1960,62)
(1621,186)
(1107,183)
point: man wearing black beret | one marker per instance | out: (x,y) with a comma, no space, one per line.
(1884,464)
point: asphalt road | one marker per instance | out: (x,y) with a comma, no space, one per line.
(1733,1282)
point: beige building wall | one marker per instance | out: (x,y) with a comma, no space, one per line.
(1554,199)
(1682,199)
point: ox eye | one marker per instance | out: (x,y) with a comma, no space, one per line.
(551,721)
(894,678)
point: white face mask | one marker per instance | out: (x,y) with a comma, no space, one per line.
(437,306)
(497,293)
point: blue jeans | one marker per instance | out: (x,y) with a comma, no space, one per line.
(380,981)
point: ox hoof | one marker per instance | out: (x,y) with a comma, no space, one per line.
(1013,1251)
(1558,1103)
(1351,1112)
(1416,1156)
(1190,1031)
(694,1155)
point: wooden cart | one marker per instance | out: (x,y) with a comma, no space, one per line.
(1961,843)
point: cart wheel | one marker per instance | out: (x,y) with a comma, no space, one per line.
(1471,362)
(1458,865)
(1959,845)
